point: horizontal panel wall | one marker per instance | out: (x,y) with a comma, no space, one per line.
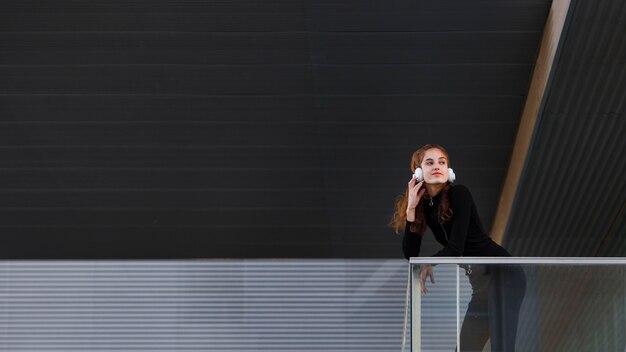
(169,129)
(216,305)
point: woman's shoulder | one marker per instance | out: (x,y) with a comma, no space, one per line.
(460,193)
(459,189)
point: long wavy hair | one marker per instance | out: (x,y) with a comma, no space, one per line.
(398,220)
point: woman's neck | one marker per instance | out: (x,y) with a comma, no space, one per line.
(434,189)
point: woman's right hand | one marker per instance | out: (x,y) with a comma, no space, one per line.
(426,271)
(415,192)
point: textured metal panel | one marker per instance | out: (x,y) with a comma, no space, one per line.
(150,129)
(217,305)
(572,195)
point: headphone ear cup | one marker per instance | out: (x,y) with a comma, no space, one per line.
(419,175)
(451,175)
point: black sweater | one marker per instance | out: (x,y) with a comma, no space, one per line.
(462,235)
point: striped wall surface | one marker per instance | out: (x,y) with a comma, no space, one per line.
(192,129)
(290,305)
(285,305)
(219,305)
(571,200)
(213,305)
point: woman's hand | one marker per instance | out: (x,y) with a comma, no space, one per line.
(415,192)
(427,271)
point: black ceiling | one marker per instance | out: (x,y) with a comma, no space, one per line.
(171,129)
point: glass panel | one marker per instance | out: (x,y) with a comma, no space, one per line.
(439,313)
(522,307)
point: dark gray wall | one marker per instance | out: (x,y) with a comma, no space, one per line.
(572,196)
(145,129)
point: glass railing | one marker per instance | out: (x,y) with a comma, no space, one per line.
(518,304)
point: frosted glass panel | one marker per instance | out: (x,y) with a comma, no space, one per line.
(520,304)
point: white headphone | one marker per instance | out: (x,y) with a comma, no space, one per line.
(419,174)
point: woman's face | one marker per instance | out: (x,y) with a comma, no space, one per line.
(435,166)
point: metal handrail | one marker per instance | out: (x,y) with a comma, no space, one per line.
(519,260)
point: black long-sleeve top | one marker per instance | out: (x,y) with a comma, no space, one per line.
(462,235)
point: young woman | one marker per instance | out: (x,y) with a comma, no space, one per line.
(449,211)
